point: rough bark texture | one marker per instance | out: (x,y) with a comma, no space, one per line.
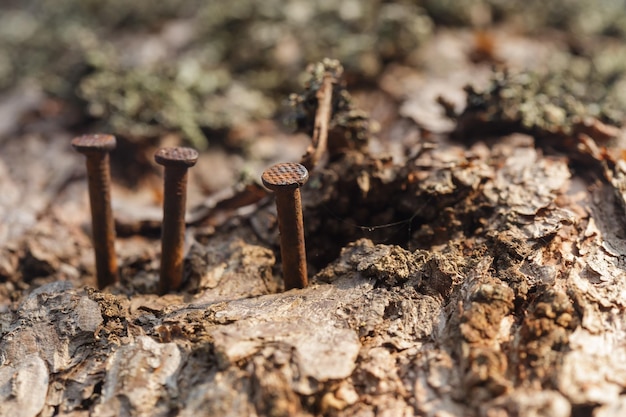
(466,258)
(518,313)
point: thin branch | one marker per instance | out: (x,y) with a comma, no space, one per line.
(319,142)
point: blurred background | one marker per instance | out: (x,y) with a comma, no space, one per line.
(207,71)
(217,76)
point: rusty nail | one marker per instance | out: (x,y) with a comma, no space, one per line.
(96,148)
(176,162)
(285,180)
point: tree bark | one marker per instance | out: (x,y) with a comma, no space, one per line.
(512,305)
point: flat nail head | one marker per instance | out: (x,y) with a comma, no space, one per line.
(176,157)
(94,143)
(288,175)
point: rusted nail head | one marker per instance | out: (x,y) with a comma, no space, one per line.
(176,157)
(94,143)
(285,176)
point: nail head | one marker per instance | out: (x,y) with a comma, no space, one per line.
(176,157)
(94,143)
(285,176)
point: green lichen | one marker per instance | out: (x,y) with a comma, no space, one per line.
(557,100)
(237,62)
(574,17)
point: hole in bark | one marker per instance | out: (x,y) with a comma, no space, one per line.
(583,410)
(88,402)
(338,211)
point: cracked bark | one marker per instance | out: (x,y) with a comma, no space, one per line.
(512,304)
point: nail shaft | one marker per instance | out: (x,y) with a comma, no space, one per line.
(173,232)
(96,148)
(176,162)
(292,246)
(285,180)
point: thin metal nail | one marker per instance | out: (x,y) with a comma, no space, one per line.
(176,162)
(285,180)
(96,148)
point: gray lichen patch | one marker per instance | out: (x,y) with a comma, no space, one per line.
(190,67)
(546,104)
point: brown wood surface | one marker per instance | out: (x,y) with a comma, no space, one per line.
(458,266)
(520,315)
